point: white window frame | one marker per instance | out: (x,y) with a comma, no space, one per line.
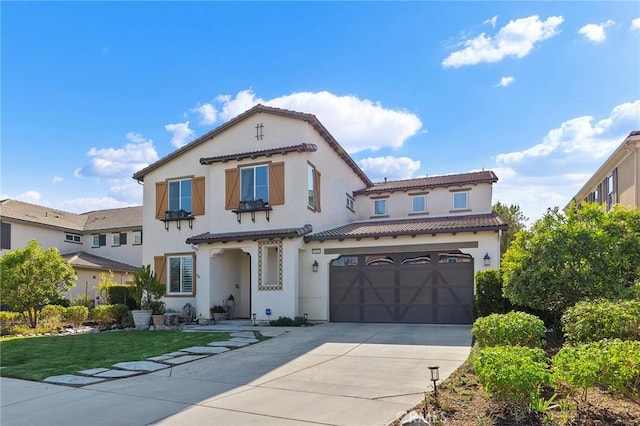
(137,237)
(350,202)
(73,238)
(376,203)
(181,290)
(466,200)
(180,197)
(115,239)
(413,205)
(254,168)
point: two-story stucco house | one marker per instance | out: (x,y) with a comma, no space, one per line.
(269,208)
(93,243)
(617,181)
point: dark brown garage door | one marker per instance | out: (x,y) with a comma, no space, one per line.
(434,288)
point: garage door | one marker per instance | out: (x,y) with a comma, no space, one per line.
(427,288)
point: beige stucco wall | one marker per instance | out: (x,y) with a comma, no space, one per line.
(87,281)
(628,172)
(22,233)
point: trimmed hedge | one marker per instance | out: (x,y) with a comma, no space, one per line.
(591,321)
(75,315)
(512,373)
(112,316)
(489,299)
(119,294)
(512,329)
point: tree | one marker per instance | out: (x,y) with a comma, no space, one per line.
(147,290)
(513,216)
(568,257)
(33,277)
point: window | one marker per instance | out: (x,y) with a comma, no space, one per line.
(377,260)
(460,200)
(313,187)
(98,240)
(419,204)
(345,261)
(180,195)
(137,238)
(119,239)
(611,197)
(5,236)
(115,240)
(380,207)
(254,183)
(180,279)
(350,202)
(73,238)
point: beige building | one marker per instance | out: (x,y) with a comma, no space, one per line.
(93,243)
(617,181)
(269,208)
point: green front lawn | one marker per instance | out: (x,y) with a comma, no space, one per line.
(36,358)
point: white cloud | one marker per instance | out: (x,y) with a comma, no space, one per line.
(30,196)
(505,81)
(83,205)
(491,21)
(208,114)
(181,133)
(120,162)
(635,24)
(595,32)
(580,135)
(516,39)
(392,168)
(56,179)
(357,124)
(550,172)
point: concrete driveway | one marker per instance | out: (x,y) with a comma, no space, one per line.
(334,374)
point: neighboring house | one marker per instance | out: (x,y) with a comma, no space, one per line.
(269,208)
(617,181)
(93,242)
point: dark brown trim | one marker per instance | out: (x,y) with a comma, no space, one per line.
(303,147)
(208,238)
(460,190)
(414,194)
(460,211)
(380,216)
(419,214)
(378,197)
(402,248)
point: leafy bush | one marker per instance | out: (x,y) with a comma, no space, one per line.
(51,317)
(611,363)
(8,320)
(75,315)
(489,299)
(602,319)
(288,322)
(513,373)
(82,300)
(112,316)
(512,329)
(119,294)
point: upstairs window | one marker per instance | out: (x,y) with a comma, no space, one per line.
(313,188)
(98,240)
(460,200)
(118,239)
(5,236)
(380,207)
(350,203)
(137,238)
(419,204)
(73,238)
(611,190)
(254,183)
(180,195)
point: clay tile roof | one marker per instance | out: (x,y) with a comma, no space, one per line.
(392,228)
(121,218)
(99,220)
(309,118)
(250,235)
(82,259)
(635,133)
(303,147)
(431,182)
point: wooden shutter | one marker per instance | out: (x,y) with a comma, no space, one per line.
(102,240)
(161,199)
(231,189)
(159,266)
(316,190)
(198,196)
(276,184)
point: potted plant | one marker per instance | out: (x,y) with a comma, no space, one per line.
(147,291)
(219,312)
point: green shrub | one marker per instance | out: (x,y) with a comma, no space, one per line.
(512,373)
(51,317)
(119,294)
(614,364)
(112,316)
(489,299)
(602,319)
(8,320)
(75,315)
(512,329)
(82,300)
(288,322)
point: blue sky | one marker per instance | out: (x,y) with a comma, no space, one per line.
(539,92)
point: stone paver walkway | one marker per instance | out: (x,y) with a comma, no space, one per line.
(238,339)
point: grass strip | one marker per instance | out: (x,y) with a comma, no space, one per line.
(36,358)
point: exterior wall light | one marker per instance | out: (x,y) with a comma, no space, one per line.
(434,370)
(253,319)
(306,316)
(314,267)
(487,259)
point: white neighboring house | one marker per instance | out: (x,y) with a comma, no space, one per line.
(269,208)
(93,243)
